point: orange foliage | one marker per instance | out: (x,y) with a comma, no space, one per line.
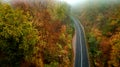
(115,52)
(51,33)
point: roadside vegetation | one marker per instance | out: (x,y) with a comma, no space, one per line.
(35,33)
(38,33)
(102,24)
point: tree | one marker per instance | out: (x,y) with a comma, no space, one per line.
(115,52)
(17,36)
(53,48)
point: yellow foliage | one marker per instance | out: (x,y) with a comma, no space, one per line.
(113,23)
(115,53)
(97,33)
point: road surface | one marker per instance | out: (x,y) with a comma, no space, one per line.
(81,54)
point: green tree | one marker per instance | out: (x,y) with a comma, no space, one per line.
(17,36)
(55,40)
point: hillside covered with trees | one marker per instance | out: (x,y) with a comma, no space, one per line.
(39,33)
(101,20)
(35,33)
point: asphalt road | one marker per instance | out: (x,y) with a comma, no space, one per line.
(81,55)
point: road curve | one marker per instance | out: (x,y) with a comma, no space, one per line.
(81,54)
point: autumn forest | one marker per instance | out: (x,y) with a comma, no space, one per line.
(39,33)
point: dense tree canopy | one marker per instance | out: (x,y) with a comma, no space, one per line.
(17,36)
(55,32)
(101,20)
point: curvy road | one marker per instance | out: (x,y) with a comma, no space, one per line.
(81,54)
